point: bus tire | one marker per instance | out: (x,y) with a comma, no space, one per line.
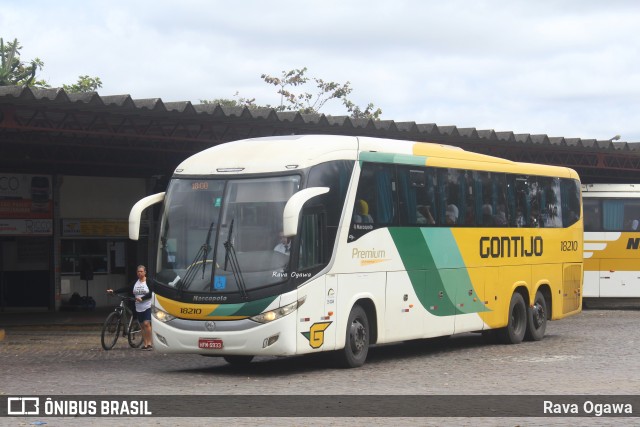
(517,325)
(536,319)
(356,346)
(238,360)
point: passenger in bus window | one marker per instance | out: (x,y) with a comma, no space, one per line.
(500,218)
(451,214)
(519,218)
(424,215)
(487,215)
(362,213)
(284,245)
(533,221)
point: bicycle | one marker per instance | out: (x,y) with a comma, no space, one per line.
(121,320)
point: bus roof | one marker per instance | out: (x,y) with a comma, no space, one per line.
(290,152)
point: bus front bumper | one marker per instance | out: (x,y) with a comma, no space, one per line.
(277,338)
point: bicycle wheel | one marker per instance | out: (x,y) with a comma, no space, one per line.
(135,334)
(111,330)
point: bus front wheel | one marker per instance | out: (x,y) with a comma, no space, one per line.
(517,325)
(537,319)
(356,346)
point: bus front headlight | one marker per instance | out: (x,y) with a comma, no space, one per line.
(161,315)
(270,316)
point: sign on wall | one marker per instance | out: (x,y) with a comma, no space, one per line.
(24,196)
(95,228)
(26,227)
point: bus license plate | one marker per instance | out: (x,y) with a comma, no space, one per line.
(212,343)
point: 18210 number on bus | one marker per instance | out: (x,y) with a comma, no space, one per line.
(568,245)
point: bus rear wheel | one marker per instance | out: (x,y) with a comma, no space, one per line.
(238,360)
(537,319)
(517,326)
(356,346)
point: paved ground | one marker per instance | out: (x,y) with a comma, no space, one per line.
(594,353)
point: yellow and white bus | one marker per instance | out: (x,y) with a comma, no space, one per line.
(612,240)
(300,244)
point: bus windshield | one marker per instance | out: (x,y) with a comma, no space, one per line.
(220,236)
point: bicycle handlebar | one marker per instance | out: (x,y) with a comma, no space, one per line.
(122,297)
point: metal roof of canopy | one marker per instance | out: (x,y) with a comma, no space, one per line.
(51,131)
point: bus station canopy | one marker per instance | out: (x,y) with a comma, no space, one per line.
(54,132)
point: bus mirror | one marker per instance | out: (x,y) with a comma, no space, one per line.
(293,207)
(136,213)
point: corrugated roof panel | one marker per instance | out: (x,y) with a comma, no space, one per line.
(448,130)
(387,125)
(423,131)
(407,127)
(150,104)
(487,134)
(180,107)
(119,101)
(505,136)
(429,128)
(290,116)
(523,138)
(468,132)
(539,139)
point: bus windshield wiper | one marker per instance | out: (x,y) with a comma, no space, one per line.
(201,256)
(230,257)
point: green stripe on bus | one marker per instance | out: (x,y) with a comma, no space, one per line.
(419,263)
(449,262)
(243,309)
(436,270)
(405,159)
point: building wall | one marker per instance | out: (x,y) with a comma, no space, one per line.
(99,197)
(92,203)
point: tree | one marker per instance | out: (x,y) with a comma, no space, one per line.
(238,102)
(84,84)
(14,72)
(304,101)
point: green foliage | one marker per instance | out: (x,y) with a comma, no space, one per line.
(238,102)
(13,71)
(293,96)
(84,84)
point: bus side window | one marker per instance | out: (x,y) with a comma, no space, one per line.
(451,202)
(417,200)
(592,215)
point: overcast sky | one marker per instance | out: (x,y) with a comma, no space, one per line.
(558,67)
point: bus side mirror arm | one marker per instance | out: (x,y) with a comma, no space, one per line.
(294,206)
(136,213)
